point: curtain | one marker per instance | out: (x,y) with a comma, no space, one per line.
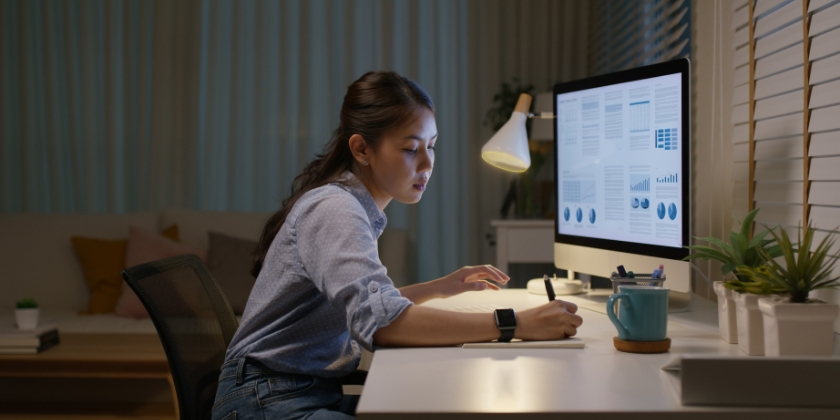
(120,106)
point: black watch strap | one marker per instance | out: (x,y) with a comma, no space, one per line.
(506,323)
(507,334)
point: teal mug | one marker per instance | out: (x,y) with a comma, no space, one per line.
(643,315)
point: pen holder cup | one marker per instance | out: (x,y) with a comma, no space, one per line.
(644,279)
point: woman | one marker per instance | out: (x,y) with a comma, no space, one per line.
(321,291)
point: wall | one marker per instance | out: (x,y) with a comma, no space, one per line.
(711,73)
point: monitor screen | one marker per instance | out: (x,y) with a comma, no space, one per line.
(622,172)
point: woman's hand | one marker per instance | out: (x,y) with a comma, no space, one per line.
(464,280)
(468,279)
(552,321)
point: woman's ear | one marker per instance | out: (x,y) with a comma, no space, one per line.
(359,148)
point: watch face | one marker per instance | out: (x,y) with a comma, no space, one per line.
(505,318)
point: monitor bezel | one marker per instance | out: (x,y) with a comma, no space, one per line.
(680,66)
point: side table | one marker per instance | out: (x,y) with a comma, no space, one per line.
(523,241)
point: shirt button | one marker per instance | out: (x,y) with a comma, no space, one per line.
(373,287)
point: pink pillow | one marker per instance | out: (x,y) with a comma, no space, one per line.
(143,247)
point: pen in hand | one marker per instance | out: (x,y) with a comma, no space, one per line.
(549,288)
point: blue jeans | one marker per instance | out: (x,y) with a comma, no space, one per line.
(251,391)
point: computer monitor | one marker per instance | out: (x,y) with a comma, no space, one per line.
(622,172)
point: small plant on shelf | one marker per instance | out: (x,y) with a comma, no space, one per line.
(800,271)
(26,303)
(741,252)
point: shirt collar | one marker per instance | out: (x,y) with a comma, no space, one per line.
(354,186)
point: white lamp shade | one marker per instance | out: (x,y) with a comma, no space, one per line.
(508,148)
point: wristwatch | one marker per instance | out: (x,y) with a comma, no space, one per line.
(506,322)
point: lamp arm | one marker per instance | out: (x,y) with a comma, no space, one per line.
(543,115)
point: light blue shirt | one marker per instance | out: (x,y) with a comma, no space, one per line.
(322,290)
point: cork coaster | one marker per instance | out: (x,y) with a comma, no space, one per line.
(642,346)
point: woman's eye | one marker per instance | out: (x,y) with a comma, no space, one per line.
(411,151)
(432,148)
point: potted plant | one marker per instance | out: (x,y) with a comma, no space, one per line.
(795,324)
(740,291)
(26,314)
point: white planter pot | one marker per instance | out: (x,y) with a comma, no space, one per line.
(797,329)
(726,314)
(26,319)
(750,323)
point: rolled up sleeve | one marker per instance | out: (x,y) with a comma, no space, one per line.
(337,249)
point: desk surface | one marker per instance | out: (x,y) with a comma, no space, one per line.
(596,381)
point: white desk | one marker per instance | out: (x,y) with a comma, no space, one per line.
(595,382)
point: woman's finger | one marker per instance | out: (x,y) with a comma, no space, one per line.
(575,320)
(502,275)
(479,273)
(475,286)
(491,286)
(569,306)
(493,273)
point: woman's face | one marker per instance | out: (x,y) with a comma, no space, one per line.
(402,163)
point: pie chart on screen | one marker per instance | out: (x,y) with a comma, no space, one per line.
(592,216)
(660,210)
(566,214)
(672,211)
(579,215)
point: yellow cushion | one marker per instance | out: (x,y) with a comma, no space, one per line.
(102,260)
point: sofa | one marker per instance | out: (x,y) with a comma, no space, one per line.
(39,261)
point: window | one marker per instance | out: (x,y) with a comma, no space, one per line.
(632,33)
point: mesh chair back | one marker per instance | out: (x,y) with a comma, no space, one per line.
(194,321)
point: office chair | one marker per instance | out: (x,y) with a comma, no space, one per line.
(194,321)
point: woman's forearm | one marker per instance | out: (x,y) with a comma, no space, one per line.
(421,326)
(421,292)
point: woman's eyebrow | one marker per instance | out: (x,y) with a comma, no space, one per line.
(418,138)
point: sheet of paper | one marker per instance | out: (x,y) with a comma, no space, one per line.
(478,309)
(566,343)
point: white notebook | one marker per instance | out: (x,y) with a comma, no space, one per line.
(566,343)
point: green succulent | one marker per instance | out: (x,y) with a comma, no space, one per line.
(803,271)
(740,251)
(26,303)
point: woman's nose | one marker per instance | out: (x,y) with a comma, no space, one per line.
(427,161)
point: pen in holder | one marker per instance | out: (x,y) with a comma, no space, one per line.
(644,279)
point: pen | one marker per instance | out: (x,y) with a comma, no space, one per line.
(621,271)
(549,288)
(657,273)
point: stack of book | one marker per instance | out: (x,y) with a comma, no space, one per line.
(15,341)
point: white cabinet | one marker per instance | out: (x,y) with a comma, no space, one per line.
(523,241)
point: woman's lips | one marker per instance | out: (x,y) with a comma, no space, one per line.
(419,187)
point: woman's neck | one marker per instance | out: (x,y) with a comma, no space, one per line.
(379,197)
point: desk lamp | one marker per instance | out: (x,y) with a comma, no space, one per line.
(508,148)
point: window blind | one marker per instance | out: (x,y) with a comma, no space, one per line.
(824,122)
(786,114)
(632,33)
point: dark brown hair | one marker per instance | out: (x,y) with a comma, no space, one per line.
(374,104)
